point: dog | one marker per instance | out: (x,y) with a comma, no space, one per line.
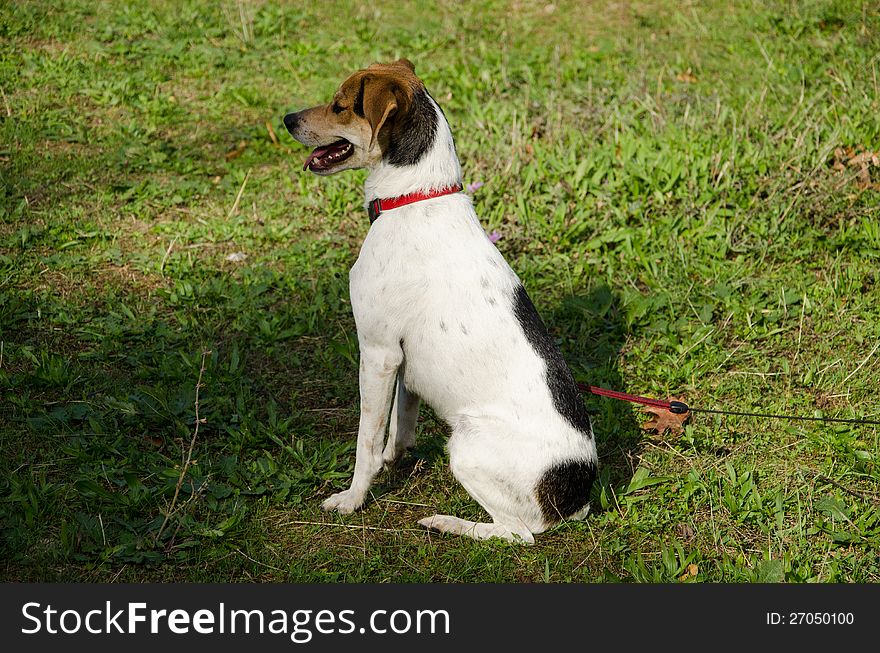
(441,317)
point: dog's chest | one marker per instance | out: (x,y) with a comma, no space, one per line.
(383,270)
(427,264)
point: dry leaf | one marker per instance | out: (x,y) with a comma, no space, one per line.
(272,135)
(684,531)
(864,159)
(859,157)
(691,572)
(664,419)
(687,77)
(237,151)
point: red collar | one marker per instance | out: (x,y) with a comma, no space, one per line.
(379,206)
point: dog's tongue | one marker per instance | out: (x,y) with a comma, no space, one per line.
(317,152)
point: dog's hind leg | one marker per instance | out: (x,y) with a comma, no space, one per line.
(402,429)
(488,494)
(496,478)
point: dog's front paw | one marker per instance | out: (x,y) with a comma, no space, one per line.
(344,502)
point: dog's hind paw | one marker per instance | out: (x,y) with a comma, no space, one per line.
(445,524)
(476,530)
(343,502)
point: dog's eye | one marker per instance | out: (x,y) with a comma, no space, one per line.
(337,108)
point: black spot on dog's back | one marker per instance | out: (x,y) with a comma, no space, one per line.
(566,396)
(564,489)
(413,135)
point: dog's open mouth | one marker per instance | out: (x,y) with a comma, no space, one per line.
(327,156)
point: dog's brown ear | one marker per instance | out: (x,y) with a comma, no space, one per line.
(409,64)
(382,99)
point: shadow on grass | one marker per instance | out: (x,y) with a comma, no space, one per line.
(593,332)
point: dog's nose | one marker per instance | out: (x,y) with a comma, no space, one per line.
(290,121)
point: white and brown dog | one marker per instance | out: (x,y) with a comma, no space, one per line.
(441,314)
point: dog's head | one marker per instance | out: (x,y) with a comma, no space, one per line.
(365,120)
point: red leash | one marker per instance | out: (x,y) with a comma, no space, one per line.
(680,408)
(676,407)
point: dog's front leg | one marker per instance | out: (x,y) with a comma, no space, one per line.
(378,370)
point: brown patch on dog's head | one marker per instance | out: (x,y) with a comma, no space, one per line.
(379,92)
(353,130)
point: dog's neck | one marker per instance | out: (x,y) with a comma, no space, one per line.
(435,167)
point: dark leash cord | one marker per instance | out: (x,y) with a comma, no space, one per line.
(681,408)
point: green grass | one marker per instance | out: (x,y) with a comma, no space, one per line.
(664,181)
